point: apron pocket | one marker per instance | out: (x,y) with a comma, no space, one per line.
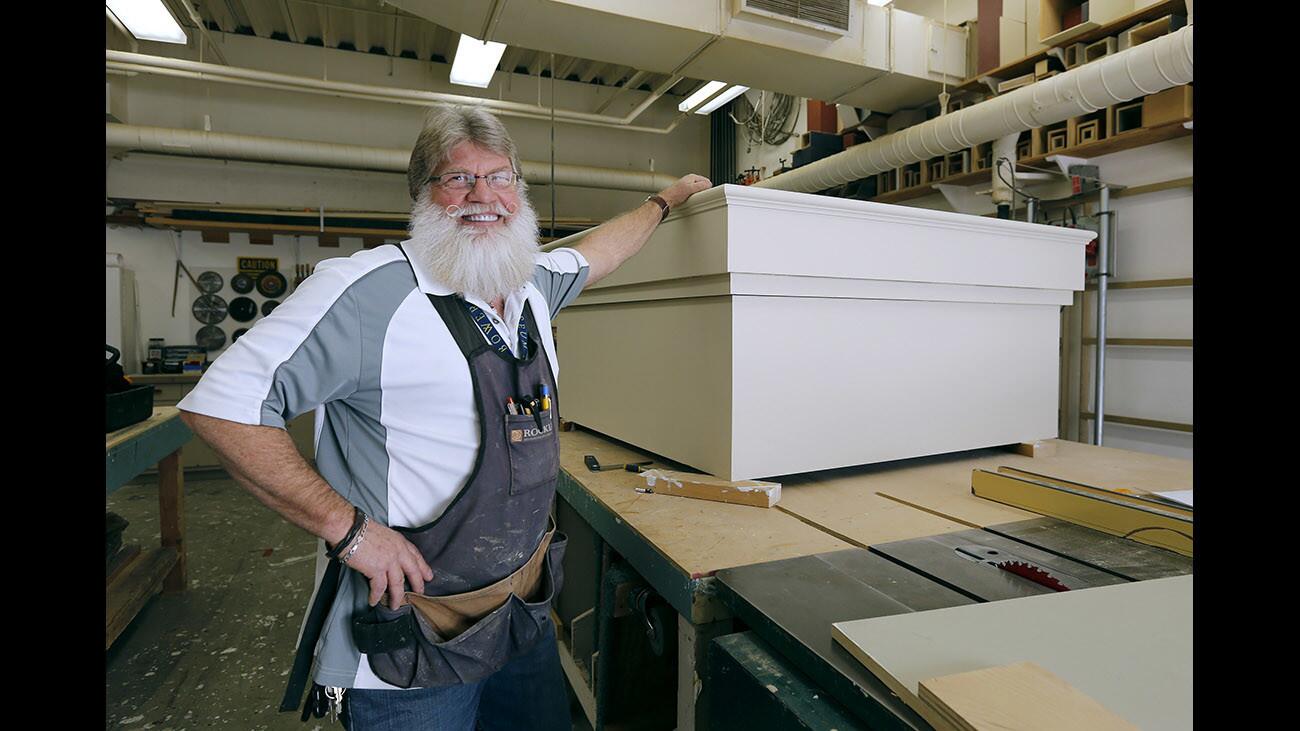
(431,661)
(388,638)
(534,451)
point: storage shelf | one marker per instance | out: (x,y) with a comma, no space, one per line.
(1135,421)
(1144,342)
(1123,141)
(1145,284)
(1026,64)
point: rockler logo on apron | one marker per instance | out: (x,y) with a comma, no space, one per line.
(527,435)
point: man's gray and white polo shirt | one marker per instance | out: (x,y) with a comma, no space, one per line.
(396,424)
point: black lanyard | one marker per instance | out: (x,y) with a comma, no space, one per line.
(493,337)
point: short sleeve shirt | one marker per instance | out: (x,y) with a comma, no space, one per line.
(359,343)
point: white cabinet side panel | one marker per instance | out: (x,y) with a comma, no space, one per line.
(657,375)
(823,383)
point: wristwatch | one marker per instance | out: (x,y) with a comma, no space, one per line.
(661,203)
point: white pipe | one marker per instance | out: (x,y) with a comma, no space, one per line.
(224,146)
(1004,146)
(182,68)
(1144,69)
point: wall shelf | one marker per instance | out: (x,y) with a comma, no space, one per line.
(1026,64)
(1135,421)
(1144,342)
(1123,141)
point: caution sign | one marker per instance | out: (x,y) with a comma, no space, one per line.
(256,265)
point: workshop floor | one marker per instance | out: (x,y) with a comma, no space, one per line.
(218,654)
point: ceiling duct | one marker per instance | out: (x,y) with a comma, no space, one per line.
(1138,71)
(826,15)
(840,51)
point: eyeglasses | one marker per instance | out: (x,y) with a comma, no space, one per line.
(499,180)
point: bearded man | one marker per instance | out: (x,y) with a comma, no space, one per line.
(431,368)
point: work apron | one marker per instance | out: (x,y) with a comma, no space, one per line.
(495,554)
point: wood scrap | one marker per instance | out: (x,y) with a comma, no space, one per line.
(1021,696)
(706,487)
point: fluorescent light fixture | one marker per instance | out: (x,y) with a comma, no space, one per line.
(704,92)
(879,2)
(476,61)
(148,20)
(722,98)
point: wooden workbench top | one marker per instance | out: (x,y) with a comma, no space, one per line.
(149,378)
(849,507)
(161,415)
(698,536)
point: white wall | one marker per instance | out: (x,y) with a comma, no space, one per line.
(151,254)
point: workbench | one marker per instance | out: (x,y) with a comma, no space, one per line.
(134,576)
(753,591)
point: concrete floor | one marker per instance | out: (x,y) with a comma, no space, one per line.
(218,654)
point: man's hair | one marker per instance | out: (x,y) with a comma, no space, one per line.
(447,126)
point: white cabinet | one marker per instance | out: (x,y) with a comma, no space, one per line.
(763,332)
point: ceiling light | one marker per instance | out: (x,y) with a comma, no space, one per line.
(703,93)
(147,20)
(476,61)
(722,98)
(879,2)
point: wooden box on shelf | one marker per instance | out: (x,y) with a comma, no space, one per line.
(1057,18)
(1171,105)
(1125,117)
(1087,128)
(935,169)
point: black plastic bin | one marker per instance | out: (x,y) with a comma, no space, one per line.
(125,408)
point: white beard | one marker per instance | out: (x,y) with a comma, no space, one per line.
(482,264)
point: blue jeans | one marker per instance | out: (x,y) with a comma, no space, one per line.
(527,694)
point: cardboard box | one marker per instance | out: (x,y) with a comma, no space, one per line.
(730,323)
(1011,41)
(1170,105)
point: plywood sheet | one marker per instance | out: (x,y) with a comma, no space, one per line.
(1022,696)
(698,536)
(852,510)
(1137,663)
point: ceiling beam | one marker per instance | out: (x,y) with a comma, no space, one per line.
(593,70)
(538,63)
(632,83)
(288,21)
(257,20)
(565,67)
(194,17)
(510,59)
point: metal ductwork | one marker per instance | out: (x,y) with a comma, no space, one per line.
(250,148)
(122,62)
(1145,69)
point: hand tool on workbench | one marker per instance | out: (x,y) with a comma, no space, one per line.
(595,466)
